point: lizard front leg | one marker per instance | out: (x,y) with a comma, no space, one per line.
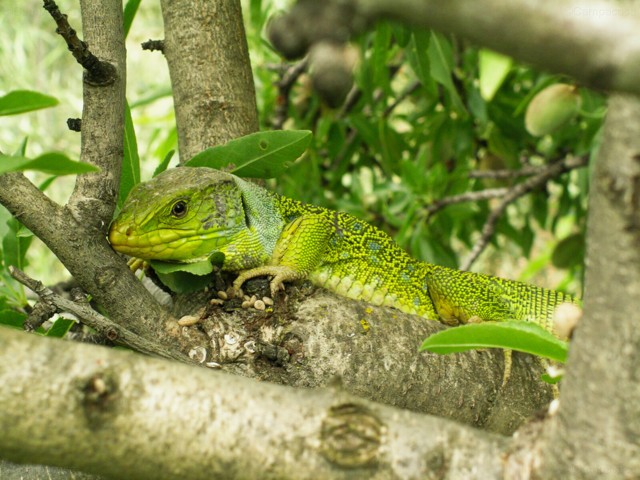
(298,251)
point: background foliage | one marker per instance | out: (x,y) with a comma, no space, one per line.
(425,115)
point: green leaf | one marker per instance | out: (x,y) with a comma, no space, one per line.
(522,336)
(11,318)
(441,62)
(545,377)
(164,164)
(130,174)
(183,282)
(494,68)
(22,150)
(130,10)
(52,163)
(60,328)
(15,245)
(259,155)
(569,251)
(20,101)
(418,56)
(197,268)
(187,277)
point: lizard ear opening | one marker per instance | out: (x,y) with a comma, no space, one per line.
(245,210)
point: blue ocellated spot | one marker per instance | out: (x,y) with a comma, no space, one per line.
(357,226)
(374,260)
(404,275)
(416,301)
(374,246)
(344,255)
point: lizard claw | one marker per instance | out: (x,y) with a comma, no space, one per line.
(275,285)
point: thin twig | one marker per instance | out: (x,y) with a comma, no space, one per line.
(98,73)
(550,171)
(93,319)
(412,87)
(285,84)
(506,173)
(478,196)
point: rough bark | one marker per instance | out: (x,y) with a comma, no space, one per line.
(597,431)
(211,77)
(76,233)
(93,199)
(313,340)
(122,415)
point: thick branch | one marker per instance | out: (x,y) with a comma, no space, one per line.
(596,42)
(87,255)
(94,196)
(597,429)
(208,60)
(183,422)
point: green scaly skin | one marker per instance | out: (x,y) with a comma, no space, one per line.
(186,214)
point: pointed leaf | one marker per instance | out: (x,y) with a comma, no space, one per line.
(197,268)
(52,163)
(522,336)
(494,68)
(20,101)
(60,328)
(130,10)
(164,164)
(259,155)
(130,174)
(441,62)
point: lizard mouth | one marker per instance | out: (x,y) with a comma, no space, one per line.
(163,244)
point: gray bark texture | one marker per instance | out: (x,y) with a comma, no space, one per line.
(211,77)
(122,415)
(316,339)
(595,42)
(597,431)
(76,232)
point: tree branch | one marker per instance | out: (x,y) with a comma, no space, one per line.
(478,196)
(216,101)
(89,258)
(595,42)
(102,405)
(550,171)
(107,328)
(593,431)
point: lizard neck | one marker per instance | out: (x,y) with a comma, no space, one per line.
(264,218)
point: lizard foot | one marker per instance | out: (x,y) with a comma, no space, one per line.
(279,274)
(136,264)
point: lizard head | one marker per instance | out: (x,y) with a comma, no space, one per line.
(183,215)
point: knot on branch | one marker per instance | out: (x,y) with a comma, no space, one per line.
(351,436)
(153,45)
(99,395)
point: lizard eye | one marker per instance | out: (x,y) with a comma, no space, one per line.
(179,209)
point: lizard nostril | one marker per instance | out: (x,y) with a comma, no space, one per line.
(128,231)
